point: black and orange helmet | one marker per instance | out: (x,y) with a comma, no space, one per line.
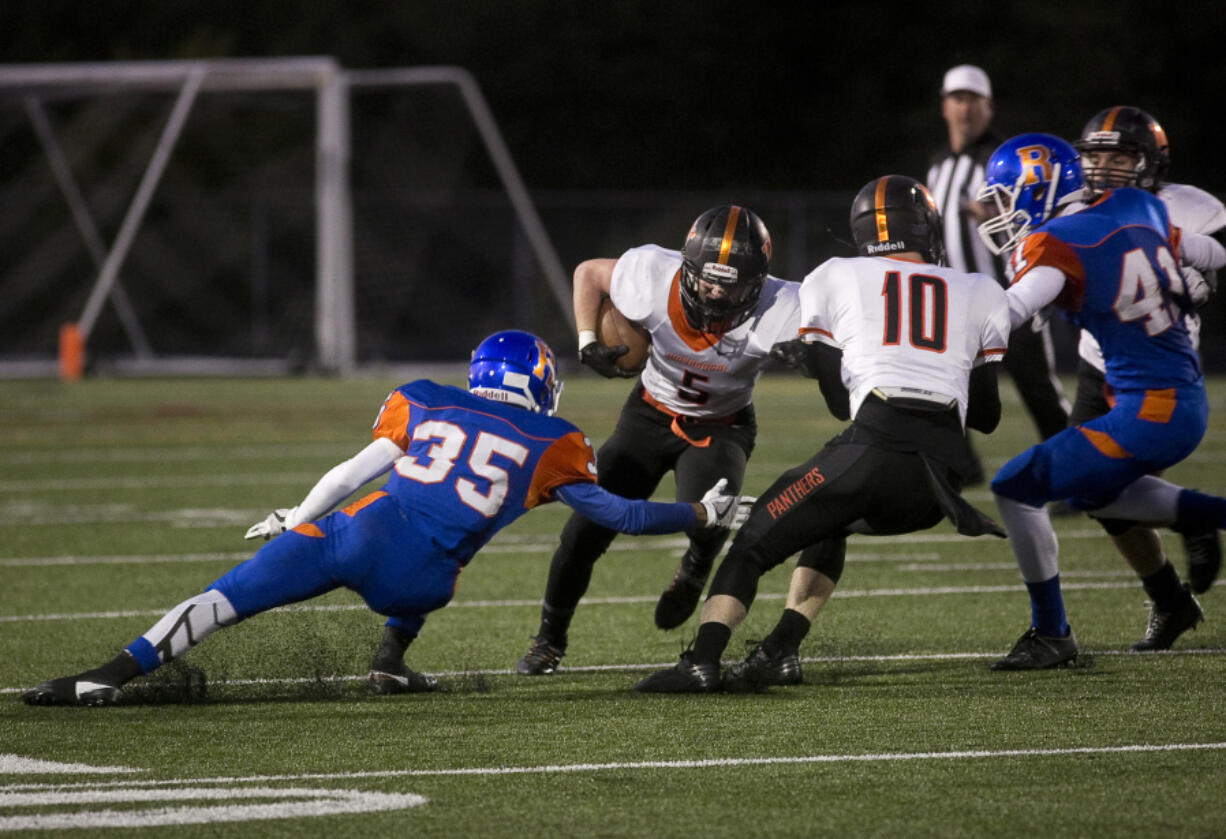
(895,213)
(727,246)
(1131,130)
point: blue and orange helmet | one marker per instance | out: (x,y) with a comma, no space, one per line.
(1027,178)
(518,368)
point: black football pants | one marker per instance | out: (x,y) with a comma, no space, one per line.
(631,463)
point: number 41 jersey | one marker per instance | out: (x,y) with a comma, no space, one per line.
(905,324)
(1119,257)
(472,465)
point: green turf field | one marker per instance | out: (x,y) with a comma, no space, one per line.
(120,498)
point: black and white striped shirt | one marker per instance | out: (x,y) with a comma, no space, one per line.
(954,179)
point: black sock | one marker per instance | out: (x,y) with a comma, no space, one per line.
(1164,589)
(120,669)
(391,647)
(712,638)
(555,623)
(787,634)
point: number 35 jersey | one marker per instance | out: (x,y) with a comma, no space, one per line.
(472,466)
(1119,257)
(905,324)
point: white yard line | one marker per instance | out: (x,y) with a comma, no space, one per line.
(642,666)
(159,481)
(171,454)
(707,763)
(928,591)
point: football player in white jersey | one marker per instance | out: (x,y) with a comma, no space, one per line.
(1125,146)
(713,313)
(904,346)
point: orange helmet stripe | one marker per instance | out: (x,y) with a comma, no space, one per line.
(1159,135)
(1109,120)
(725,245)
(883,228)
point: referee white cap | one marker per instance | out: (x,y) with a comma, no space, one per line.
(967,77)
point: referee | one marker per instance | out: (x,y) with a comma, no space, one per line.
(955,174)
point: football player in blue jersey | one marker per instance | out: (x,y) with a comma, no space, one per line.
(1112,268)
(461,465)
(1124,146)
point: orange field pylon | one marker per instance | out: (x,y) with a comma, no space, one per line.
(72,352)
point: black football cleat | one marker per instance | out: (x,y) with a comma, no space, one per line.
(681,597)
(541,659)
(679,600)
(686,676)
(1204,551)
(83,689)
(389,678)
(761,670)
(1164,627)
(1039,652)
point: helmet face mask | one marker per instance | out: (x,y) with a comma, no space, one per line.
(517,368)
(1108,168)
(723,267)
(1027,178)
(1129,131)
(893,214)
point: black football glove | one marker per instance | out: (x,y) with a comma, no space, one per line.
(795,354)
(601,359)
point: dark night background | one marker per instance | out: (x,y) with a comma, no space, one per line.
(718,98)
(651,94)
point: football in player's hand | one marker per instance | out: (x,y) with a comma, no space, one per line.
(612,328)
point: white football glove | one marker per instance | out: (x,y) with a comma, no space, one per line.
(1199,286)
(269,527)
(724,510)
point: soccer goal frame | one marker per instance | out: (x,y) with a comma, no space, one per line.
(334,316)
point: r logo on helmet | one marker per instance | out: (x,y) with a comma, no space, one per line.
(1035,163)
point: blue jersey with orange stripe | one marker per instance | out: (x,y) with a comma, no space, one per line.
(472,465)
(1120,260)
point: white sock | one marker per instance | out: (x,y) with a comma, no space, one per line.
(1032,539)
(189,623)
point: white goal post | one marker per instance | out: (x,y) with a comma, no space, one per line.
(335,342)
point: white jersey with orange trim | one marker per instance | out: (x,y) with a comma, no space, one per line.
(693,373)
(1190,208)
(908,328)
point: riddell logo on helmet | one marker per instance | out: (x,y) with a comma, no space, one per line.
(884,247)
(719,273)
(1108,137)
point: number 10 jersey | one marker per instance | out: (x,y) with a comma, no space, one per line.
(905,324)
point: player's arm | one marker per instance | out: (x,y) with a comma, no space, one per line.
(593,282)
(1204,253)
(820,361)
(1200,256)
(337,484)
(983,399)
(717,509)
(1038,287)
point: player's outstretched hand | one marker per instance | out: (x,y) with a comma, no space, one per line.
(269,527)
(601,359)
(794,354)
(724,510)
